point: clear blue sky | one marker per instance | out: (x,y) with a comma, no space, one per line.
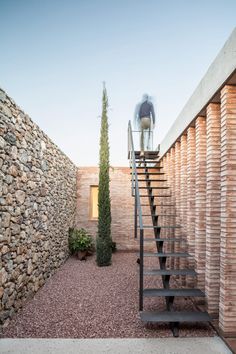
(55,54)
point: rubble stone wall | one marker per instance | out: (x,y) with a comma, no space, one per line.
(37,207)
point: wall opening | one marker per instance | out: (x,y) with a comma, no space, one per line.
(93,207)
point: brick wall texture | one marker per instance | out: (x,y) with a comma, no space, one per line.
(122,205)
(201,171)
(213,206)
(228,211)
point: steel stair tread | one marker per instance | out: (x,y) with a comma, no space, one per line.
(159,205)
(151,180)
(190,272)
(149,152)
(165,254)
(171,239)
(153,187)
(158,214)
(155,196)
(174,316)
(149,167)
(173,292)
(161,227)
(147,161)
(150,173)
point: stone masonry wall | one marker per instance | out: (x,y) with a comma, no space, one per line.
(37,207)
(122,205)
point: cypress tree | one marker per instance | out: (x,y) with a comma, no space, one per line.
(104,240)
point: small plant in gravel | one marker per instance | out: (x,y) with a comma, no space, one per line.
(80,243)
(104,240)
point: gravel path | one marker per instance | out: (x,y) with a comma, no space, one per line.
(84,301)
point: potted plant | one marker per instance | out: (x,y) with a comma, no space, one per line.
(80,243)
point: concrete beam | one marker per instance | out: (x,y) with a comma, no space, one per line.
(218,73)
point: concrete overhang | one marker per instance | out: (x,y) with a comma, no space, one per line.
(222,71)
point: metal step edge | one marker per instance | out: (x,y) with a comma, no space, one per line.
(173,292)
(160,255)
(189,272)
(151,173)
(174,316)
(159,205)
(147,161)
(149,167)
(153,187)
(151,180)
(159,215)
(171,239)
(161,227)
(155,196)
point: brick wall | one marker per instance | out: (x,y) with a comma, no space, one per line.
(228,211)
(213,206)
(122,205)
(209,159)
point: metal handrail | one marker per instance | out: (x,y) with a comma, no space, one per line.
(134,175)
(137,210)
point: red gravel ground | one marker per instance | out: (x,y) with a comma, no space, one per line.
(84,301)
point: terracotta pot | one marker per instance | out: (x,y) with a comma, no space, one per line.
(82,255)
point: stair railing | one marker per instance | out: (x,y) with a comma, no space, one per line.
(137,210)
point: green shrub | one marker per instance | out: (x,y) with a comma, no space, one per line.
(80,240)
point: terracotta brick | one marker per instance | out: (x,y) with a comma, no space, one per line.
(200,202)
(227,315)
(122,205)
(183,198)
(191,175)
(213,209)
(169,220)
(171,184)
(177,200)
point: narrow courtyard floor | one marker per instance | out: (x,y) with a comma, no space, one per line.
(84,301)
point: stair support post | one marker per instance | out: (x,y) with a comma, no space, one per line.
(141,272)
(135,216)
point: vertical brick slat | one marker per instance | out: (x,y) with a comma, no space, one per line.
(191,157)
(183,197)
(227,315)
(213,206)
(168,209)
(177,199)
(172,199)
(161,220)
(200,202)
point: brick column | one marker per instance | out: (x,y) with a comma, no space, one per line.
(183,197)
(162,220)
(177,198)
(172,199)
(213,205)
(168,209)
(227,315)
(191,157)
(200,202)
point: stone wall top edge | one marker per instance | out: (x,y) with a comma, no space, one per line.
(36,125)
(209,85)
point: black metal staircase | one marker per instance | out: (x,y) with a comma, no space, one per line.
(147,169)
